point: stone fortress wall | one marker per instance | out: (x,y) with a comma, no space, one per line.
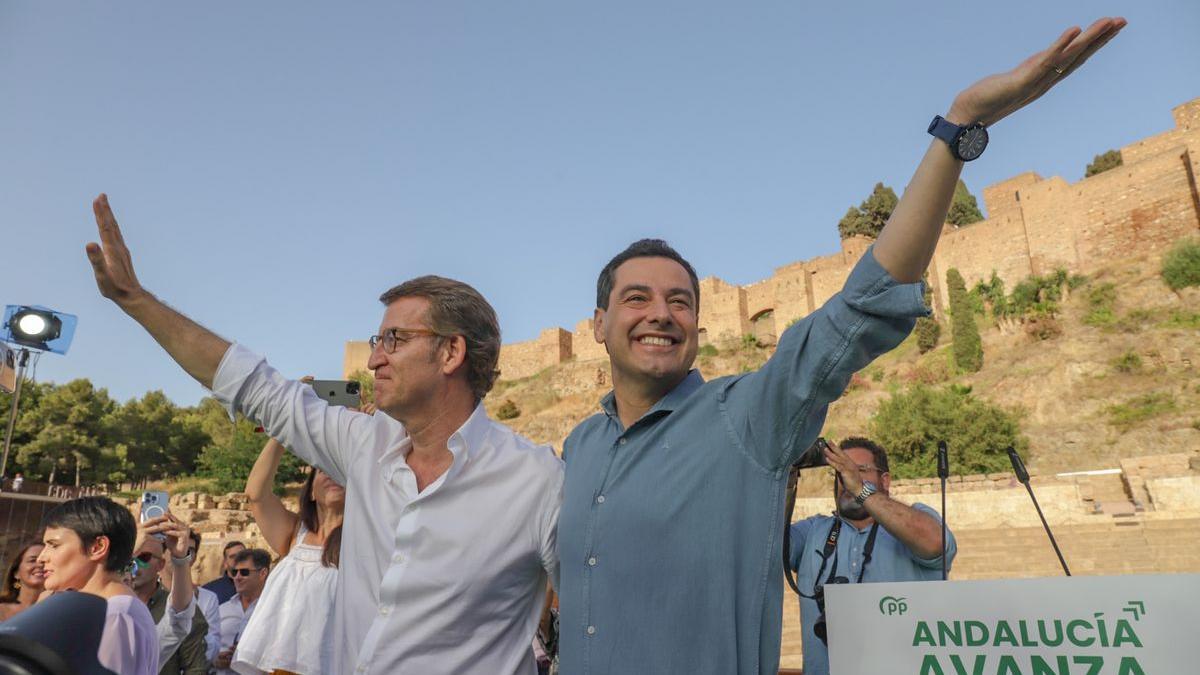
(1034,226)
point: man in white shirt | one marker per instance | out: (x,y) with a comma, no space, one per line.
(249,573)
(207,604)
(150,555)
(451,517)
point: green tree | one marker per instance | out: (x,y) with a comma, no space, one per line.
(66,434)
(366,381)
(964,209)
(155,437)
(229,463)
(910,424)
(965,341)
(869,217)
(1101,163)
(928,329)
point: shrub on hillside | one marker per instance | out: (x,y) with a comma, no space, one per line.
(928,332)
(1129,362)
(1125,416)
(911,422)
(1181,265)
(706,350)
(1043,327)
(1101,301)
(508,410)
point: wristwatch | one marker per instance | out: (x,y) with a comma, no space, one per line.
(966,143)
(868,489)
(184,561)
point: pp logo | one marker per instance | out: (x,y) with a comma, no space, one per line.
(890,606)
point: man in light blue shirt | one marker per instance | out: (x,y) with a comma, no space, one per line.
(872,538)
(670,548)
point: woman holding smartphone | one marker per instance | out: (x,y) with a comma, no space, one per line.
(289,630)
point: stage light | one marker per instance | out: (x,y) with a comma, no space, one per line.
(35,327)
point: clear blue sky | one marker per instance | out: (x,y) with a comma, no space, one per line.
(277,165)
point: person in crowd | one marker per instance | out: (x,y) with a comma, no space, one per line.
(222,586)
(292,627)
(18,481)
(648,584)
(249,572)
(23,582)
(431,586)
(169,594)
(870,538)
(209,606)
(88,546)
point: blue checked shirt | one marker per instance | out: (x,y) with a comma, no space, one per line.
(670,535)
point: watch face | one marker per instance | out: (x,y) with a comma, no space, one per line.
(972,143)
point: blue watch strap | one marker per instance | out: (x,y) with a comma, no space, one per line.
(943,129)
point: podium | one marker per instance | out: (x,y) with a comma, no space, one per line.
(1123,625)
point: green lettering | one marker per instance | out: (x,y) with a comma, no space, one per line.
(1047,640)
(1100,629)
(947,637)
(1125,634)
(1008,666)
(1130,666)
(1075,639)
(960,669)
(1004,633)
(930,666)
(923,635)
(974,638)
(1095,663)
(1040,667)
(1026,641)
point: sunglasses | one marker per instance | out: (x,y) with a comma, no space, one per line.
(243,571)
(145,558)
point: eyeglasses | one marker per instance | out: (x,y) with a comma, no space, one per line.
(867,468)
(243,571)
(394,336)
(146,557)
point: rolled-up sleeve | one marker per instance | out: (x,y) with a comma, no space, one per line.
(778,410)
(291,412)
(172,628)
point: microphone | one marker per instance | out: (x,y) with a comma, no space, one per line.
(943,461)
(1023,476)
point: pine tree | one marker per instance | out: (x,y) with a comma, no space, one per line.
(965,341)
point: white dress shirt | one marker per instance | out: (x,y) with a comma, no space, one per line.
(208,604)
(447,580)
(172,628)
(233,621)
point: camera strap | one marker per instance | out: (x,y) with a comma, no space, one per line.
(830,549)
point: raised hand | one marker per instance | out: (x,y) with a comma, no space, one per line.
(993,98)
(110,259)
(846,468)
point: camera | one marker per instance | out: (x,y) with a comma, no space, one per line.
(819,627)
(814,456)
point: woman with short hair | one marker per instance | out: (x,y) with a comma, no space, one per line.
(88,547)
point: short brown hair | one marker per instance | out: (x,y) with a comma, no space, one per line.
(455,308)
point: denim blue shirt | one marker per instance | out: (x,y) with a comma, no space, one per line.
(670,534)
(891,560)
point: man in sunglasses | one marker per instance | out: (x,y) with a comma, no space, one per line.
(249,574)
(161,564)
(871,538)
(451,517)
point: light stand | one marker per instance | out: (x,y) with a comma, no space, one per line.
(22,361)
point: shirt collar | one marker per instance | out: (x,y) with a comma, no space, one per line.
(462,444)
(674,398)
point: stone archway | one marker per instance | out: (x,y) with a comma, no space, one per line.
(763,327)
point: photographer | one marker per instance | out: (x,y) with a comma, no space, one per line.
(167,589)
(871,538)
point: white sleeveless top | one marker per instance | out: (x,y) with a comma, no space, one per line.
(291,628)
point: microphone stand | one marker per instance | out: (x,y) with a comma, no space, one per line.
(943,461)
(1023,476)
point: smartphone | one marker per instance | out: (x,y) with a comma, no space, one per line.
(338,392)
(154,504)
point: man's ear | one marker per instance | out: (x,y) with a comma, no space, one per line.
(453,353)
(598,325)
(885,482)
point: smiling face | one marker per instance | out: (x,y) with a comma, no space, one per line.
(68,565)
(29,572)
(650,327)
(411,374)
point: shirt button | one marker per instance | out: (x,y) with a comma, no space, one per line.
(591,630)
(622,441)
(592,561)
(398,558)
(361,669)
(384,610)
(600,499)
